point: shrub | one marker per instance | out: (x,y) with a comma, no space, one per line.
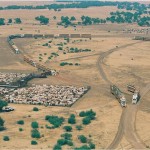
(92,146)
(79,127)
(35,125)
(86,120)
(21,122)
(35,109)
(66,136)
(61,142)
(60,48)
(57,147)
(34,142)
(20,129)
(35,133)
(82,114)
(1,122)
(72,119)
(63,63)
(2,104)
(82,139)
(68,128)
(69,143)
(84,147)
(6,138)
(55,120)
(2,128)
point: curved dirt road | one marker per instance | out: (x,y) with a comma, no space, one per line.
(127,121)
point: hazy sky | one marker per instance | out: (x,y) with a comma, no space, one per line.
(86,0)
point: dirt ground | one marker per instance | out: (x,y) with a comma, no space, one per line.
(129,65)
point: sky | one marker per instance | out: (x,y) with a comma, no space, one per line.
(74,0)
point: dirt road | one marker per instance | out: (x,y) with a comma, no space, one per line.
(127,121)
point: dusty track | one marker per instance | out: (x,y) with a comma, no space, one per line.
(127,121)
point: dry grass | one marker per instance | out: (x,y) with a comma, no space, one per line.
(120,69)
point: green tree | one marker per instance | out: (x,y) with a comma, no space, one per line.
(35,109)
(2,124)
(18,21)
(72,18)
(68,128)
(34,142)
(2,21)
(35,133)
(34,125)
(82,139)
(2,104)
(21,122)
(57,147)
(86,120)
(9,21)
(6,138)
(72,119)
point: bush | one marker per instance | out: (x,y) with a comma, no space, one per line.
(6,138)
(1,122)
(82,139)
(35,133)
(34,143)
(79,127)
(68,128)
(35,125)
(84,147)
(21,122)
(86,120)
(69,143)
(61,142)
(60,48)
(72,119)
(82,114)
(92,146)
(55,120)
(2,128)
(20,129)
(2,104)
(57,147)
(35,109)
(67,136)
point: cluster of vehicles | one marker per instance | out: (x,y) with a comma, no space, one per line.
(26,57)
(120,96)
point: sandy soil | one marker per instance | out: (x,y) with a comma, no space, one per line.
(119,67)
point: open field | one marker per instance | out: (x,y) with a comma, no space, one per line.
(128,63)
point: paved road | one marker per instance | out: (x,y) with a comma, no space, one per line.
(127,121)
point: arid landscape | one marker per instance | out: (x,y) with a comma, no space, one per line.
(110,56)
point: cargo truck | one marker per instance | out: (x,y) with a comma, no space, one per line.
(136,93)
(119,95)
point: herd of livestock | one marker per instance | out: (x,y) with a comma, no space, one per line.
(48,95)
(136,31)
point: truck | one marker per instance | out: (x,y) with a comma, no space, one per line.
(136,93)
(119,95)
(7,109)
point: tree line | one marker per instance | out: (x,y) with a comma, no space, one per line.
(10,21)
(84,4)
(129,17)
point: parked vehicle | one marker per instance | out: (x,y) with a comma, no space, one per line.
(8,109)
(119,95)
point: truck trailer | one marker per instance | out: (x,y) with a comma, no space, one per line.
(119,95)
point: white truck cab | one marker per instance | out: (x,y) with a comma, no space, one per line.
(123,102)
(135,97)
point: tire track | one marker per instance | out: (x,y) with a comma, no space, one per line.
(127,120)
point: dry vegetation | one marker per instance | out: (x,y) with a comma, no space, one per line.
(130,65)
